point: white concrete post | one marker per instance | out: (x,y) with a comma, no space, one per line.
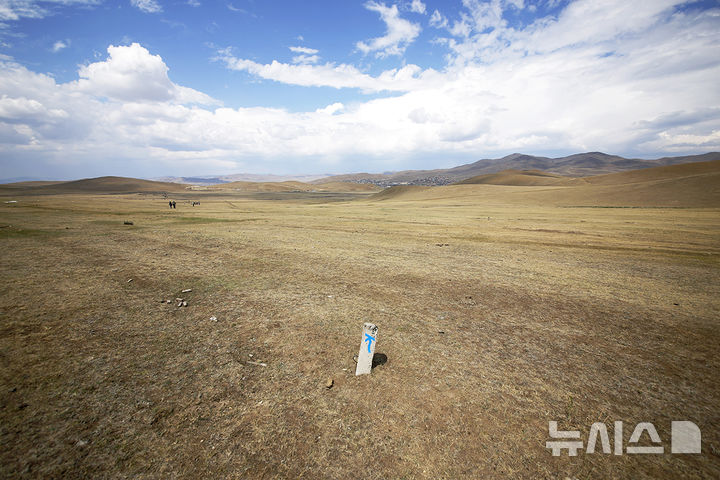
(367,349)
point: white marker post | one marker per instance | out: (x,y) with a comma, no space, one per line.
(367,349)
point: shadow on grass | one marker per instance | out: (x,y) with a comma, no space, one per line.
(379,359)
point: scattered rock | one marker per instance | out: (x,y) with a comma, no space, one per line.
(259,364)
(81,443)
(130,280)
(329,384)
(128,222)
(441,331)
(168,301)
(442,244)
(468,300)
(213,318)
(187,290)
(184,303)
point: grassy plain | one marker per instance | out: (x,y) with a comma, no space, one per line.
(498,312)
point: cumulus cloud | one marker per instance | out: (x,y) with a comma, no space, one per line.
(132,74)
(23,110)
(147,6)
(643,86)
(400,32)
(331,109)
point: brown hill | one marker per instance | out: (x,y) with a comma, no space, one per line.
(405,192)
(98,185)
(578,165)
(33,183)
(521,178)
(657,173)
(695,185)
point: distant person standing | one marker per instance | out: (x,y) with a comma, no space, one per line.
(170,203)
(173,204)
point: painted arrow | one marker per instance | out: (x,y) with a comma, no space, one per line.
(369,338)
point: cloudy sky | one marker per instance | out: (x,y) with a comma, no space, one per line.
(147,88)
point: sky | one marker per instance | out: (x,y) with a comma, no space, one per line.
(148,88)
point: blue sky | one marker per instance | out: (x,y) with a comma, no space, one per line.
(175,87)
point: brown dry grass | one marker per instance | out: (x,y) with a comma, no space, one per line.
(521,178)
(100,185)
(549,313)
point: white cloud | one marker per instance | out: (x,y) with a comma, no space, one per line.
(306,50)
(306,59)
(307,55)
(132,74)
(404,79)
(331,109)
(147,6)
(417,6)
(645,86)
(233,8)
(400,32)
(24,110)
(59,45)
(438,20)
(12,10)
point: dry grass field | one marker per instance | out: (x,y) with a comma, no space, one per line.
(500,308)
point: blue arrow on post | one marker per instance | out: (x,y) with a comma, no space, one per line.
(369,338)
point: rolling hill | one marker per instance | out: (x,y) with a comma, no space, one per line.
(578,165)
(98,185)
(695,185)
(520,178)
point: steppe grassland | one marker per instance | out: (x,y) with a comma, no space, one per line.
(546,313)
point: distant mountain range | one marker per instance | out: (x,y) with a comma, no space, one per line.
(578,165)
(238,177)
